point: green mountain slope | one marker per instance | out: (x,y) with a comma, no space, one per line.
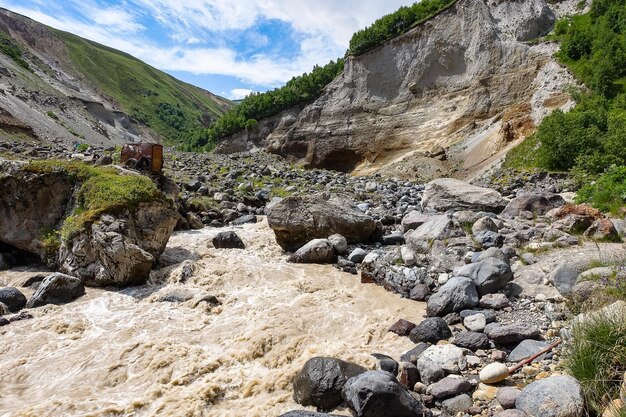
(64,84)
(172,108)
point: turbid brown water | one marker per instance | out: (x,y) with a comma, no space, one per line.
(123,353)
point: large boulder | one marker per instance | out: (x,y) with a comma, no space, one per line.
(321,380)
(297,220)
(537,204)
(119,221)
(436,228)
(121,249)
(12,298)
(488,275)
(317,251)
(457,294)
(56,289)
(451,194)
(379,394)
(556,396)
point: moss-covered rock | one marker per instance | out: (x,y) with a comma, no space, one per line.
(106,226)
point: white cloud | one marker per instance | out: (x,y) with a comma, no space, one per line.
(323,28)
(239,93)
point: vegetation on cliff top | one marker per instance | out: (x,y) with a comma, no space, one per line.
(589,140)
(395,24)
(308,87)
(102,190)
(172,108)
(299,90)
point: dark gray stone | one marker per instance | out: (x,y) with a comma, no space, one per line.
(56,289)
(379,394)
(471,340)
(526,349)
(556,396)
(511,333)
(396,238)
(321,380)
(457,294)
(507,396)
(449,387)
(306,414)
(12,298)
(413,354)
(228,240)
(489,239)
(247,219)
(387,363)
(431,330)
(489,275)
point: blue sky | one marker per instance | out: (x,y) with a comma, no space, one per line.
(229,47)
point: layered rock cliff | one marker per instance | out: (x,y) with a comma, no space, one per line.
(447,96)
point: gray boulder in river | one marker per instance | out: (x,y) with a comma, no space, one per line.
(297,220)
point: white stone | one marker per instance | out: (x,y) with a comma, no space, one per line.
(493,373)
(408,256)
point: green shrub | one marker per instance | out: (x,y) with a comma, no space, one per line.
(608,192)
(596,357)
(52,115)
(299,90)
(82,147)
(395,24)
(9,47)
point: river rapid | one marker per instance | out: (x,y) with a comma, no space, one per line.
(125,353)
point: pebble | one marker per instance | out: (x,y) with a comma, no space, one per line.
(494,373)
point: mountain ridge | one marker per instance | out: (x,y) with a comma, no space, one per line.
(79,90)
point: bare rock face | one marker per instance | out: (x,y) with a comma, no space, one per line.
(450,194)
(30,203)
(441,92)
(120,250)
(297,220)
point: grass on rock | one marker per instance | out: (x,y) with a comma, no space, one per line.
(103,190)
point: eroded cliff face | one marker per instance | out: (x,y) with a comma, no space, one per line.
(448,96)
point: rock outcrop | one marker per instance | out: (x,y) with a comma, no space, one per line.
(440,93)
(118,248)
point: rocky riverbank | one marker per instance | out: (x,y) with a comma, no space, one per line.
(467,282)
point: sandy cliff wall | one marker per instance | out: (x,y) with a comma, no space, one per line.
(466,82)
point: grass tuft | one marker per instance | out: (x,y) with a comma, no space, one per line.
(596,357)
